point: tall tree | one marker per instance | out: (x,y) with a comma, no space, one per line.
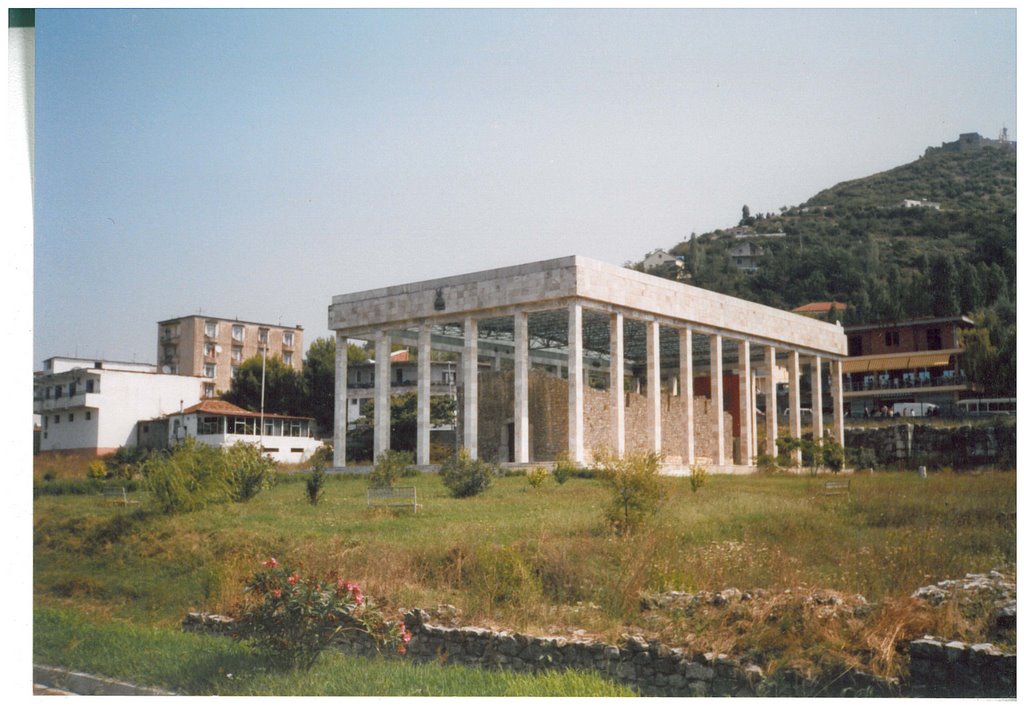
(283,393)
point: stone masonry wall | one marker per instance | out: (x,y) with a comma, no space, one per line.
(955,669)
(909,444)
(549,434)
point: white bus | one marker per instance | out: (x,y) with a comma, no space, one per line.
(987,407)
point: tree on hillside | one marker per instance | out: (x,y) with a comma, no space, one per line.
(945,287)
(284,392)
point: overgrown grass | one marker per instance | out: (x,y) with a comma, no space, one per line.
(544,560)
(197,664)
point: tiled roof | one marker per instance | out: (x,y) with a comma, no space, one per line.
(225,408)
(820,307)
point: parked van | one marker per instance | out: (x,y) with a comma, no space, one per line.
(914,409)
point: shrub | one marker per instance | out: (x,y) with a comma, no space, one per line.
(698,477)
(768,464)
(832,455)
(564,468)
(391,465)
(97,470)
(812,455)
(464,477)
(50,475)
(787,445)
(315,485)
(862,458)
(323,456)
(191,477)
(293,619)
(126,463)
(537,476)
(248,471)
(635,485)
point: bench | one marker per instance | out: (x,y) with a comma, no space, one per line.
(837,487)
(118,496)
(392,497)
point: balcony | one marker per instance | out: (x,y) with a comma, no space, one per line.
(956,381)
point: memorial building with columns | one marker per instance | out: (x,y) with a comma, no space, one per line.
(570,356)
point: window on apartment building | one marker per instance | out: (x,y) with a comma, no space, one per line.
(58,391)
(169,354)
(234,372)
(71,417)
(210,329)
(236,354)
(209,350)
(210,370)
(933,337)
(287,357)
(90,386)
(238,332)
(208,390)
(56,418)
(892,338)
(88,415)
(289,339)
(72,389)
(263,335)
(49,392)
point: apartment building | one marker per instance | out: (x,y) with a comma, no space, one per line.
(95,406)
(213,348)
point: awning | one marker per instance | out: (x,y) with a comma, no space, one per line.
(928,360)
(882,364)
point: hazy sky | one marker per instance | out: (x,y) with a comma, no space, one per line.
(256,163)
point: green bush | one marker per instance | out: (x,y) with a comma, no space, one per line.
(323,456)
(97,470)
(832,455)
(315,485)
(636,486)
(293,619)
(787,445)
(248,470)
(391,465)
(812,455)
(698,477)
(126,463)
(191,477)
(862,458)
(537,476)
(50,475)
(564,468)
(464,477)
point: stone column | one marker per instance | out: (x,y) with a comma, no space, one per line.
(794,400)
(522,388)
(746,435)
(837,401)
(686,391)
(617,383)
(340,399)
(576,447)
(771,406)
(382,394)
(470,387)
(817,423)
(423,396)
(718,420)
(654,386)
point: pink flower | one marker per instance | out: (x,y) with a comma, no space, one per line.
(276,593)
(353,589)
(293,579)
(404,633)
(270,563)
(401,649)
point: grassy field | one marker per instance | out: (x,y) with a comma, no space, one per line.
(543,560)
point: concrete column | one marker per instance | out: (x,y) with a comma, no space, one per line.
(382,394)
(618,383)
(746,435)
(771,406)
(817,422)
(522,388)
(470,387)
(794,400)
(686,391)
(654,386)
(340,399)
(576,447)
(753,416)
(423,396)
(837,401)
(717,417)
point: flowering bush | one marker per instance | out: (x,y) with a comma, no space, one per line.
(293,618)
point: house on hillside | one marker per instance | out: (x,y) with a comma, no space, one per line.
(745,256)
(286,439)
(912,361)
(95,406)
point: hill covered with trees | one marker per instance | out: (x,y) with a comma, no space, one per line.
(934,237)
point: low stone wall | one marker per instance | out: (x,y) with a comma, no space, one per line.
(954,669)
(910,444)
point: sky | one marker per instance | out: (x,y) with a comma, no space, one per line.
(252,164)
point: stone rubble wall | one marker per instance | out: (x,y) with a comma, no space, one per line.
(909,444)
(955,669)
